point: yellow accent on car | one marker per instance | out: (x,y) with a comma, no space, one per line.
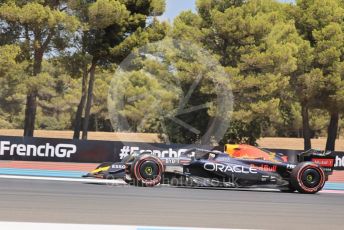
(229,148)
(101,169)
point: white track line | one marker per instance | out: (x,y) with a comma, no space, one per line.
(51,226)
(332,191)
(84,180)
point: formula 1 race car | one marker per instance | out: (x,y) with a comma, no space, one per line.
(198,167)
(110,170)
(204,168)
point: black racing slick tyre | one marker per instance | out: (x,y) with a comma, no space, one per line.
(308,177)
(147,170)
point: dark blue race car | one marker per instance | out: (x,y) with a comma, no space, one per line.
(204,168)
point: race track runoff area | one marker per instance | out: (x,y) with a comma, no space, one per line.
(78,202)
(52,226)
(47,195)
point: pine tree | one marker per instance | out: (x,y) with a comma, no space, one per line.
(37,23)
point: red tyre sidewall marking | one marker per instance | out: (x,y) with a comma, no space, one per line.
(321,173)
(139,176)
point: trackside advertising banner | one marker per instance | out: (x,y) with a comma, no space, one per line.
(66,150)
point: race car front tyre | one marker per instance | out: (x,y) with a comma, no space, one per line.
(308,177)
(147,170)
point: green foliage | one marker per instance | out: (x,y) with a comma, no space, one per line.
(12,88)
(261,48)
(321,23)
(57,97)
(138,95)
(8,55)
(104,13)
(35,16)
(243,132)
(280,58)
(151,96)
(154,32)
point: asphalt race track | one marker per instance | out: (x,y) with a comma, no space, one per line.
(77,202)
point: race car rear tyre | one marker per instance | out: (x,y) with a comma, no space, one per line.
(147,170)
(308,177)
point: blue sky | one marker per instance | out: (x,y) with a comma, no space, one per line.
(174,7)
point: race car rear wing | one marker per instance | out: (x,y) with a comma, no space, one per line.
(325,159)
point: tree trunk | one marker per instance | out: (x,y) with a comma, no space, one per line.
(31,98)
(96,123)
(306,128)
(89,100)
(30,114)
(332,131)
(81,106)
